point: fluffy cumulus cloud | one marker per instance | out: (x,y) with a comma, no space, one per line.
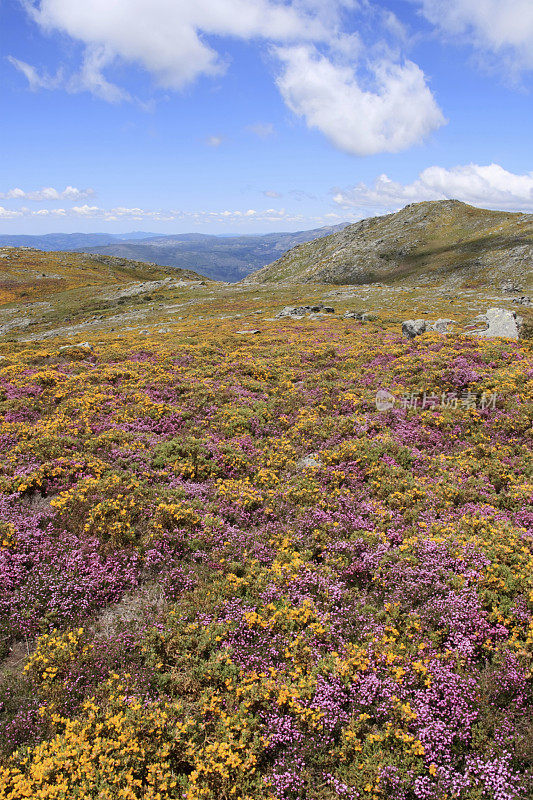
(500,27)
(488,186)
(397,112)
(70,193)
(362,100)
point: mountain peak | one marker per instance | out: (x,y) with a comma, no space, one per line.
(438,240)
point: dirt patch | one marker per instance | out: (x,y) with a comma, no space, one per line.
(13,663)
(36,502)
(140,606)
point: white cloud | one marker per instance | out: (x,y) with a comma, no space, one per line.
(271,193)
(71,193)
(264,130)
(85,210)
(214,141)
(48,193)
(49,212)
(397,113)
(500,27)
(8,213)
(488,186)
(90,78)
(36,81)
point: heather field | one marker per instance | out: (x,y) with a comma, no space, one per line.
(226,575)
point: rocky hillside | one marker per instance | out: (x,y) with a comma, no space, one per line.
(443,242)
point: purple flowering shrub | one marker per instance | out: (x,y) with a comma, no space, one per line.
(231,576)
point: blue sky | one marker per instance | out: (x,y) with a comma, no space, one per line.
(254,115)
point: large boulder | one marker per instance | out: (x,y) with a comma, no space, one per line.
(293,311)
(413,327)
(500,322)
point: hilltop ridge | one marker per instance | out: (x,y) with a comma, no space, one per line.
(444,241)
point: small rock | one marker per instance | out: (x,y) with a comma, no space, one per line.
(441,325)
(523,301)
(77,346)
(308,461)
(254,330)
(413,327)
(509,286)
(76,351)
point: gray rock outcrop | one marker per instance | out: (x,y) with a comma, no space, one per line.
(441,325)
(302,311)
(500,322)
(413,327)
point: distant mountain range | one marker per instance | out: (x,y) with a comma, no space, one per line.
(226,258)
(445,242)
